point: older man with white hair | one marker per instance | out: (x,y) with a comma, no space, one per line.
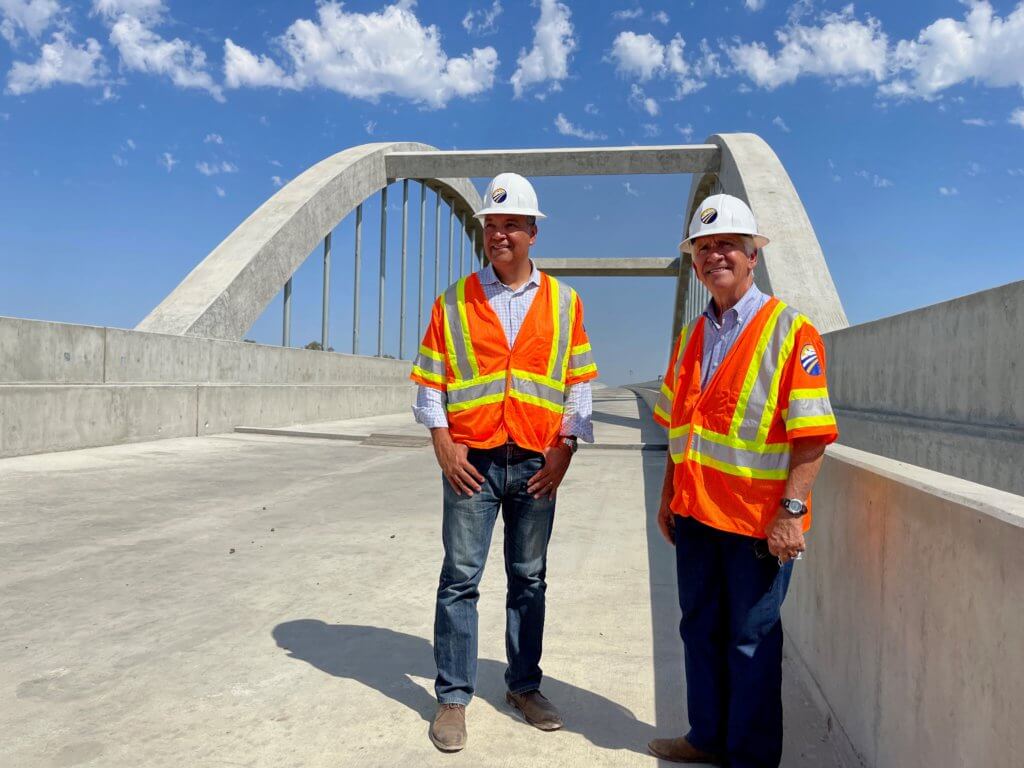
(746,404)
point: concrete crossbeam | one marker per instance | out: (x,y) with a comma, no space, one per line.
(598,161)
(636,267)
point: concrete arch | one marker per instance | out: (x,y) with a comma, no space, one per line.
(225,294)
(792,265)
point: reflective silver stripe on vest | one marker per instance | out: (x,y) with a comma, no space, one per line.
(564,329)
(430,364)
(739,457)
(815,406)
(677,443)
(539,390)
(580,360)
(473,391)
(766,368)
(664,401)
(458,337)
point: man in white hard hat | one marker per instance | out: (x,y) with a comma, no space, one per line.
(503,375)
(746,404)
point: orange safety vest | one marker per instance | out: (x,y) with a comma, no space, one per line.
(730,442)
(496,394)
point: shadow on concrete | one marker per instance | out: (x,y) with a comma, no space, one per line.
(384,660)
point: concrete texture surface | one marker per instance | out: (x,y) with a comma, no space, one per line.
(940,387)
(226,292)
(251,600)
(589,161)
(792,265)
(641,266)
(909,615)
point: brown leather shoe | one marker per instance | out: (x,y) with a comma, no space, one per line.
(448,731)
(679,750)
(536,709)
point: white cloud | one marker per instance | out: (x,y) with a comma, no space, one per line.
(661,17)
(276,163)
(119,161)
(630,190)
(567,128)
(481,22)
(628,14)
(1015,171)
(32,17)
(60,62)
(645,57)
(754,5)
(277,181)
(143,50)
(1017,117)
(167,161)
(686,131)
(213,138)
(553,42)
(878,182)
(5,116)
(977,121)
(130,143)
(590,109)
(212,169)
(370,127)
(779,123)
(983,48)
(973,169)
(841,48)
(642,101)
(948,191)
(220,192)
(366,56)
(650,130)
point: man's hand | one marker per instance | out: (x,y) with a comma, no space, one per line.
(667,521)
(452,458)
(786,536)
(545,483)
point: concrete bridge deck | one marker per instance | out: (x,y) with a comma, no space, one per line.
(268,601)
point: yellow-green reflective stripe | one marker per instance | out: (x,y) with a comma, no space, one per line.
(754,368)
(679,431)
(454,408)
(771,402)
(666,391)
(433,354)
(423,374)
(740,458)
(488,377)
(683,334)
(464,319)
(465,394)
(449,343)
(553,288)
(677,448)
(808,394)
(740,443)
(537,387)
(581,348)
(539,401)
(574,372)
(810,421)
(659,411)
(798,409)
(539,377)
(729,469)
(581,360)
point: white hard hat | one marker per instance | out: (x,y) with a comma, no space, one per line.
(510,194)
(721,214)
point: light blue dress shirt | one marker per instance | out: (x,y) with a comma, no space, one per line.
(719,336)
(511,307)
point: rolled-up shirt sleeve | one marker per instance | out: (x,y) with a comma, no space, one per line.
(577,418)
(430,408)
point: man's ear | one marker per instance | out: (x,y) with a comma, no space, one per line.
(533,233)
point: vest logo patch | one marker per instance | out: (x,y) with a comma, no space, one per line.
(708,215)
(809,360)
(499,195)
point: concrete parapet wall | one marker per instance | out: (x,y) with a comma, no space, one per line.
(906,612)
(64,387)
(941,387)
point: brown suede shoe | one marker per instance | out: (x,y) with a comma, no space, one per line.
(679,750)
(448,731)
(536,709)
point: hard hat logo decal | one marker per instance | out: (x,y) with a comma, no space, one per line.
(708,215)
(499,195)
(809,360)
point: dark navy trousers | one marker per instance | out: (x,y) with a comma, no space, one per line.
(730,592)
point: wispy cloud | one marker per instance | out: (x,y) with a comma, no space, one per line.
(779,123)
(213,138)
(370,127)
(879,182)
(977,121)
(214,168)
(948,191)
(628,14)
(119,161)
(168,161)
(630,190)
(220,192)
(482,21)
(277,181)
(1017,117)
(566,128)
(686,131)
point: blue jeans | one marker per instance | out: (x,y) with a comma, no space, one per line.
(730,592)
(466,533)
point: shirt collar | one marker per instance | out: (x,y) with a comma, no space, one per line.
(743,309)
(488,276)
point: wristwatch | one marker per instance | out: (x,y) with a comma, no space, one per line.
(795,507)
(569,441)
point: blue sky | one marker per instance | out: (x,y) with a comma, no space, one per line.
(136,134)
